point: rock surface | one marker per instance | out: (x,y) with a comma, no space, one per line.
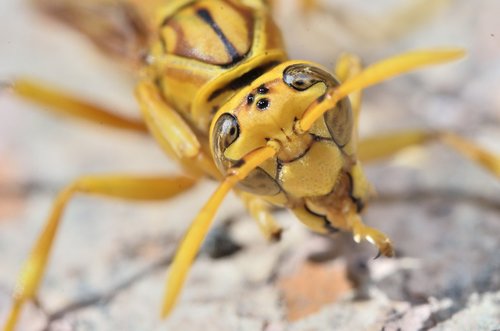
(108,267)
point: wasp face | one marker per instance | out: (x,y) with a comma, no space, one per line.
(307,164)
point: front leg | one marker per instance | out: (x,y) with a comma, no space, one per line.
(350,221)
(261,213)
(172,132)
(360,232)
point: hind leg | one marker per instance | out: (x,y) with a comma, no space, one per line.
(117,186)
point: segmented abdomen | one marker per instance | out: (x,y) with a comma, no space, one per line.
(215,32)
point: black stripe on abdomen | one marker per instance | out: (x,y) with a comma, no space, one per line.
(207,18)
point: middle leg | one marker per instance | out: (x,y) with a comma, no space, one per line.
(382,146)
(261,212)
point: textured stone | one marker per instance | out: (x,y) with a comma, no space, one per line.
(108,267)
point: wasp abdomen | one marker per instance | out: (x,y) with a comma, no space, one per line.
(214,32)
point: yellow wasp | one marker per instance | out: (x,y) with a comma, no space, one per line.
(219,94)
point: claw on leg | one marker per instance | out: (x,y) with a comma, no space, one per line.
(361,231)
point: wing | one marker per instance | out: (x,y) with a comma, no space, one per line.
(119,28)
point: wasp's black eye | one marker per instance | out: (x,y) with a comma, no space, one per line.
(263,104)
(303,76)
(226,131)
(262,89)
(250,99)
(339,122)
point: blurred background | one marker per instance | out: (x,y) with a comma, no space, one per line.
(108,266)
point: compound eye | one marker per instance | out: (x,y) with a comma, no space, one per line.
(339,122)
(303,76)
(226,131)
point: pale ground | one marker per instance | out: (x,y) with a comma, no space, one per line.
(108,266)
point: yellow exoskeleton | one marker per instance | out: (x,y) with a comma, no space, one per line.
(220,96)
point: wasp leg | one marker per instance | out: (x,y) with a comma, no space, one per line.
(361,231)
(350,222)
(378,147)
(473,152)
(383,146)
(64,104)
(261,212)
(174,135)
(117,186)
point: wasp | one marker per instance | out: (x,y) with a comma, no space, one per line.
(219,94)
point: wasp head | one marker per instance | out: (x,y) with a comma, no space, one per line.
(307,163)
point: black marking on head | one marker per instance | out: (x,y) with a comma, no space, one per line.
(250,99)
(205,15)
(263,104)
(243,80)
(262,89)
